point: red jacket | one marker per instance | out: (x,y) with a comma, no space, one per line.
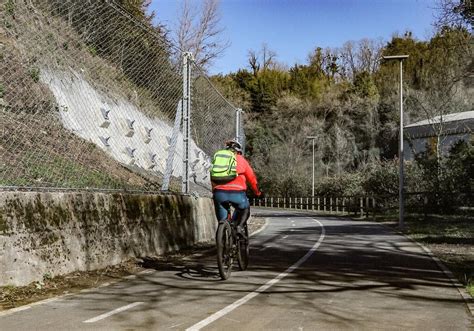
(245,174)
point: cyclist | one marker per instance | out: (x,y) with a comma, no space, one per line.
(234,192)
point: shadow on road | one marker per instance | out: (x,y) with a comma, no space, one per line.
(361,259)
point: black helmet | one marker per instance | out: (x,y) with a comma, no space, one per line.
(234,144)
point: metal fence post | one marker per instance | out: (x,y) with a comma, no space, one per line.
(237,124)
(367,207)
(425,206)
(187,58)
(361,202)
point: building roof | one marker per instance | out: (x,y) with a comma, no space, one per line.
(446,118)
(450,124)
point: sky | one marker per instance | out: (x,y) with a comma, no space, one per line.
(293,28)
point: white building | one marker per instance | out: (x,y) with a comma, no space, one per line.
(451,128)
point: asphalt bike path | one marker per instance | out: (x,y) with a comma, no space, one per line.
(305,272)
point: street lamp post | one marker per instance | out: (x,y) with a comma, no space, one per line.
(401,157)
(312,138)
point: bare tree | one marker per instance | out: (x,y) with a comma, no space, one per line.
(262,60)
(343,146)
(268,56)
(347,55)
(369,54)
(253,62)
(435,104)
(199,32)
(447,80)
(458,13)
(360,56)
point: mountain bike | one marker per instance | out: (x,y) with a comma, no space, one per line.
(231,246)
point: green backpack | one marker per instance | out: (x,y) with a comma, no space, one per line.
(224,166)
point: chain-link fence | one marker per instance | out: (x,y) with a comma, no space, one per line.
(90,98)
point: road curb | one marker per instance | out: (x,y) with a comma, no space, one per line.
(261,228)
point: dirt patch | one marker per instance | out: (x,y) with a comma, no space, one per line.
(12,296)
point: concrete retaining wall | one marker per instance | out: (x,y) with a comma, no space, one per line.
(57,233)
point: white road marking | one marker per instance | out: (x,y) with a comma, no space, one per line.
(14,310)
(22,308)
(261,229)
(262,288)
(42,302)
(113,312)
(176,325)
(266,247)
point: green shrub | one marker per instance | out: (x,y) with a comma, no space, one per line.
(10,7)
(347,184)
(92,50)
(35,74)
(381,178)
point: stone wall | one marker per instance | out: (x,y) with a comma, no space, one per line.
(57,233)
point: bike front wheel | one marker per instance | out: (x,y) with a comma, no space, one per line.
(224,244)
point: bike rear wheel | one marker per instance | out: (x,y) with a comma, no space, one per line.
(243,250)
(224,244)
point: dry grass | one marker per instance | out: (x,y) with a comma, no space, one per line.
(35,149)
